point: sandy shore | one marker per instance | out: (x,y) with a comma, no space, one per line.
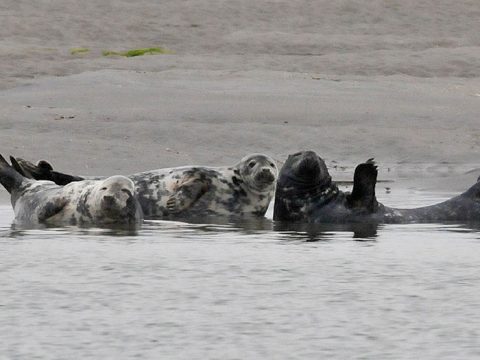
(350,80)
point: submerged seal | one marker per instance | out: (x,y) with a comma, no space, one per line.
(89,202)
(306,193)
(244,189)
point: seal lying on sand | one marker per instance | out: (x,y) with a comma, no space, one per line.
(90,202)
(306,193)
(244,189)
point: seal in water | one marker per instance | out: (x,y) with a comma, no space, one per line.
(242,190)
(89,202)
(306,193)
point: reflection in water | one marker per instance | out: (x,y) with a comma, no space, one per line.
(316,232)
(215,227)
(239,289)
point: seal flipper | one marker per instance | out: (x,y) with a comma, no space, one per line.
(186,195)
(64,179)
(9,177)
(44,171)
(364,182)
(474,191)
(21,169)
(41,171)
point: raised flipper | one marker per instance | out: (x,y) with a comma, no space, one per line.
(44,171)
(474,191)
(20,169)
(364,181)
(9,177)
(186,195)
(41,171)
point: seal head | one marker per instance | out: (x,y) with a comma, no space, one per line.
(258,171)
(306,168)
(304,182)
(115,200)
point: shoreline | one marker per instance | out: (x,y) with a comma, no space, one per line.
(121,122)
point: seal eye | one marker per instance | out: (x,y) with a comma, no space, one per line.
(251,164)
(104,188)
(272,165)
(126,191)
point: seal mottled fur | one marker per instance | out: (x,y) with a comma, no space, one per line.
(306,193)
(88,202)
(244,189)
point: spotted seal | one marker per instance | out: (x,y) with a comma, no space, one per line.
(306,193)
(242,190)
(88,202)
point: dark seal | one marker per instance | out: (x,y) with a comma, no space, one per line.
(306,193)
(242,190)
(111,201)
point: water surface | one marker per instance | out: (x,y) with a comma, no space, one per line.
(240,291)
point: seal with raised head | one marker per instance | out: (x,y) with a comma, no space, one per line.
(306,193)
(242,190)
(111,201)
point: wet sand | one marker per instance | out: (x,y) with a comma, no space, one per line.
(350,80)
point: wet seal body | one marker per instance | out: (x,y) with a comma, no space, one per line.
(306,193)
(242,190)
(89,202)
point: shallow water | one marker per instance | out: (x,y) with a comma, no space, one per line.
(241,291)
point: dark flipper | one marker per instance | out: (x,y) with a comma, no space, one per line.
(20,169)
(44,171)
(364,181)
(473,192)
(64,179)
(9,177)
(186,195)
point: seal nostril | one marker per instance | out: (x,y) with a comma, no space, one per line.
(109,199)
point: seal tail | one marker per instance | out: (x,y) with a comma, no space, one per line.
(474,191)
(10,178)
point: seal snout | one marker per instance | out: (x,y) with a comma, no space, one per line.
(117,198)
(108,200)
(111,204)
(265,175)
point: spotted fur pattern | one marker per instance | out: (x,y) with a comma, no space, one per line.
(245,189)
(87,202)
(242,190)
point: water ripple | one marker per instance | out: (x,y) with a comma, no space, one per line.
(238,290)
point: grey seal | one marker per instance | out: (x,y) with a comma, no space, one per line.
(111,201)
(306,193)
(242,190)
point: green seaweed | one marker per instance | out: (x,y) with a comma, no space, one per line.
(76,51)
(111,53)
(137,52)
